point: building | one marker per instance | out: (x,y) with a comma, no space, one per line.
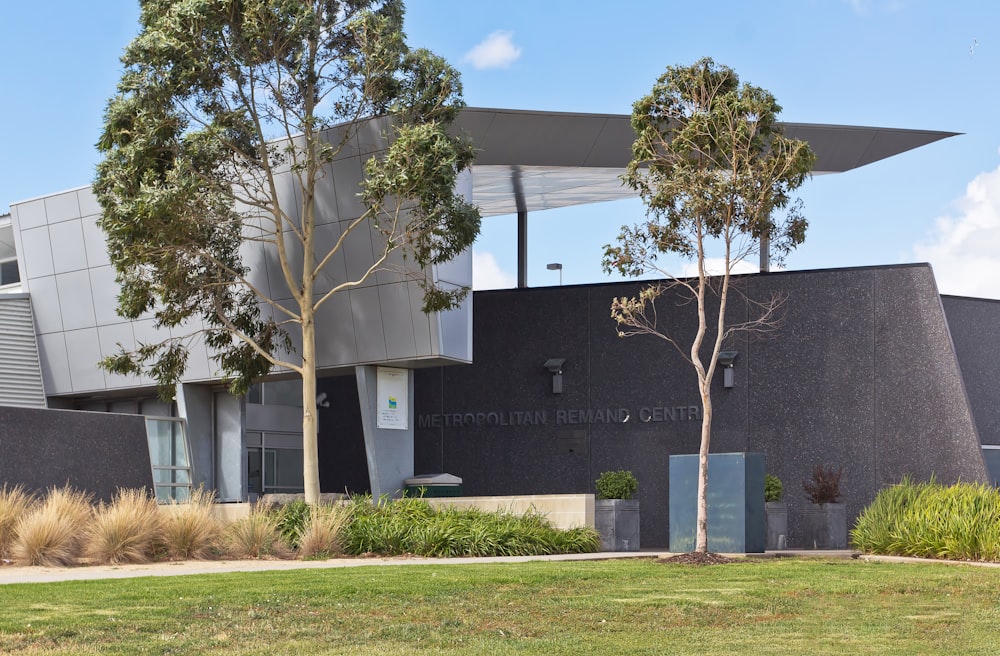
(871,371)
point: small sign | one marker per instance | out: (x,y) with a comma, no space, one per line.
(392,388)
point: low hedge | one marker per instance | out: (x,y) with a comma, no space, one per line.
(930,520)
(412,526)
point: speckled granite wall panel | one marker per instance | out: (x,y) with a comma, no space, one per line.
(924,424)
(812,381)
(92,451)
(974,324)
(858,350)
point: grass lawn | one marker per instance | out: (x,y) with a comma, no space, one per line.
(593,607)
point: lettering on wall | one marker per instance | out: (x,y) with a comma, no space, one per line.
(570,417)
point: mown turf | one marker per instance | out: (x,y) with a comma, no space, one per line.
(611,607)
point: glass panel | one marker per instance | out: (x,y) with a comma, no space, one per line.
(255,483)
(168,455)
(283,392)
(8,273)
(165,494)
(269,470)
(7,251)
(176,476)
(992,458)
(288,472)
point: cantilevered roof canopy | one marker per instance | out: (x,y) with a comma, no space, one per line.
(531,160)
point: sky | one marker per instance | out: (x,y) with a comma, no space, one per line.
(919,64)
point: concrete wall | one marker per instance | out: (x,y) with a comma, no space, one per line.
(93,451)
(973,324)
(861,374)
(563,510)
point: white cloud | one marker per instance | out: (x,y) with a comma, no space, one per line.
(487,274)
(963,249)
(716,266)
(496,51)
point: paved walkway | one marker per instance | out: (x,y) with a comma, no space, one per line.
(10,574)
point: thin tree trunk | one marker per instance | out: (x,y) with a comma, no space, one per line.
(701,541)
(310,450)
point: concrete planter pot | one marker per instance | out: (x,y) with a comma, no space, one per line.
(617,522)
(776,525)
(825,526)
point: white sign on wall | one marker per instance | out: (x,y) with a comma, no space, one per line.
(392,388)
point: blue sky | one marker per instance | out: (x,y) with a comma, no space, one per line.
(891,63)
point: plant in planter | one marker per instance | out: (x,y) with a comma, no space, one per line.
(775,514)
(825,518)
(619,484)
(616,512)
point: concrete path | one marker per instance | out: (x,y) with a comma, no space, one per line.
(10,574)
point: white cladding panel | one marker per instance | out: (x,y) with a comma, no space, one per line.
(376,321)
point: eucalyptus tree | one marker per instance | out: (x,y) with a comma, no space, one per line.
(716,175)
(223,102)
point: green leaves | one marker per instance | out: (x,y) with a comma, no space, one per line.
(221,117)
(709,160)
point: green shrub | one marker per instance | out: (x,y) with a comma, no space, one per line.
(929,520)
(412,526)
(773,489)
(619,484)
(292,519)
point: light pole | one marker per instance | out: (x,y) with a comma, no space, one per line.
(556,266)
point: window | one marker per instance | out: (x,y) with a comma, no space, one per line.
(277,392)
(991,454)
(8,257)
(8,273)
(168,454)
(274,463)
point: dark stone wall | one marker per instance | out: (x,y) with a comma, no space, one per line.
(974,324)
(96,452)
(860,374)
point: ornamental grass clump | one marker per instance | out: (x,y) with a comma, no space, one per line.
(52,533)
(15,503)
(323,536)
(125,530)
(930,520)
(255,536)
(191,530)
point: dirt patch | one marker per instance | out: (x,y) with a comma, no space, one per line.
(698,558)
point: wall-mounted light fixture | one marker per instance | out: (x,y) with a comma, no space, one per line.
(321,401)
(555,266)
(554,365)
(726,360)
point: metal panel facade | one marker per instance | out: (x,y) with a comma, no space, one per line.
(20,374)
